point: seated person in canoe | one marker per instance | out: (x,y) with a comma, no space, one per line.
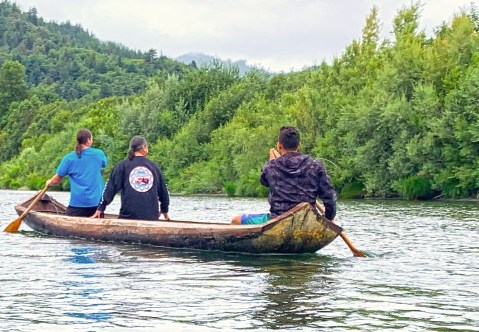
(144,194)
(292,178)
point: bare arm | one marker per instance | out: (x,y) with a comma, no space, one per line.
(56,179)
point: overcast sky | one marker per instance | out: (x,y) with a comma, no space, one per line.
(280,35)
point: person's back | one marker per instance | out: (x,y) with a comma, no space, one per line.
(142,188)
(84,171)
(141,184)
(83,167)
(294,178)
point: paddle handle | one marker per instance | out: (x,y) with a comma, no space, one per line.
(15,225)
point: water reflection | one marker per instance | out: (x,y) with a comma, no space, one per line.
(272,291)
(421,274)
(82,255)
(86,285)
(296,292)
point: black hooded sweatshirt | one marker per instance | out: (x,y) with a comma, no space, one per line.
(294,178)
(142,188)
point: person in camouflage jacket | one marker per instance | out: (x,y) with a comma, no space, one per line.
(292,178)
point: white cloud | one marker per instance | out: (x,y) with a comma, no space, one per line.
(279,34)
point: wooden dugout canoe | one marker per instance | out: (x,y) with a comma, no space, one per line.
(299,230)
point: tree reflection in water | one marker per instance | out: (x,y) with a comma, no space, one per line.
(285,291)
(296,292)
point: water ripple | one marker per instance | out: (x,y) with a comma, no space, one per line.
(421,274)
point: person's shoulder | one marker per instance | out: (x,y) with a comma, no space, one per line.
(309,157)
(70,155)
(310,160)
(151,162)
(318,164)
(152,165)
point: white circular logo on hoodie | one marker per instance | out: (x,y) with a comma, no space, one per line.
(141,179)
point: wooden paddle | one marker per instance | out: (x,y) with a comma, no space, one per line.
(355,251)
(320,208)
(15,225)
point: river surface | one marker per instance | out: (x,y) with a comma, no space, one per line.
(421,274)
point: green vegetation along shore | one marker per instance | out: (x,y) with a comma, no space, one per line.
(389,118)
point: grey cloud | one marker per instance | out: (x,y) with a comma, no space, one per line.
(282,31)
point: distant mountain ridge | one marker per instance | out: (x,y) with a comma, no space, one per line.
(202,60)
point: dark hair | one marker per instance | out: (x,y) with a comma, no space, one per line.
(136,143)
(289,137)
(82,137)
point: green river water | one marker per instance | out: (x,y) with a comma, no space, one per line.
(422,274)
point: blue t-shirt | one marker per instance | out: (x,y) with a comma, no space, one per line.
(86,182)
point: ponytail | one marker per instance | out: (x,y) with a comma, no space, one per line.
(78,150)
(83,136)
(131,154)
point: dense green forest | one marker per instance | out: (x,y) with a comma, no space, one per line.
(389,118)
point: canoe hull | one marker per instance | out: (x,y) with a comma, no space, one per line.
(300,230)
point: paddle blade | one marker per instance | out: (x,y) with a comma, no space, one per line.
(356,252)
(14,225)
(359,253)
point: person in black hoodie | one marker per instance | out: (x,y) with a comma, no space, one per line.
(141,184)
(292,178)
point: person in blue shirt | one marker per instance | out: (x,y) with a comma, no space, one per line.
(83,167)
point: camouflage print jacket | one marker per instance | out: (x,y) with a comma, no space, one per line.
(294,178)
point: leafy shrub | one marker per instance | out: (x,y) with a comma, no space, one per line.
(230,188)
(352,190)
(10,174)
(414,187)
(249,185)
(35,181)
(450,187)
(200,177)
